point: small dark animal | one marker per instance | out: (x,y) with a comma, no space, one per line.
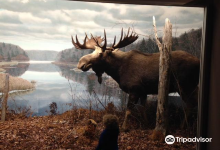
(109,137)
(137,73)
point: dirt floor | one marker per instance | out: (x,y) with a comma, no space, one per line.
(67,131)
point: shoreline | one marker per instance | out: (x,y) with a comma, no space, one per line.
(68,64)
(16,83)
(5,64)
(16,91)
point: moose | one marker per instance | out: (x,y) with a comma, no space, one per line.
(137,73)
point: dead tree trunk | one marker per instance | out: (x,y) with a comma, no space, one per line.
(164,76)
(5,98)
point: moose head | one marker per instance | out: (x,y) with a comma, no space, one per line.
(96,60)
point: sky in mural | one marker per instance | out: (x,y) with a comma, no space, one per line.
(49,24)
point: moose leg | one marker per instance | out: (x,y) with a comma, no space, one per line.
(143,109)
(143,100)
(191,100)
(132,100)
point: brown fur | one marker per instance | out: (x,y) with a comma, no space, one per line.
(110,121)
(137,73)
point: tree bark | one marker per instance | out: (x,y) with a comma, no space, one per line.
(5,98)
(164,77)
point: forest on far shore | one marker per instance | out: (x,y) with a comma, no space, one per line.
(188,41)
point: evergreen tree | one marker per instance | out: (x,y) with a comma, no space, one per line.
(62,57)
(1,52)
(13,54)
(132,46)
(142,46)
(175,44)
(185,41)
(9,57)
(151,46)
(25,54)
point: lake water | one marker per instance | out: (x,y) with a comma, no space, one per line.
(61,85)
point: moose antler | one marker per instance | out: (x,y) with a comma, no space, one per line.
(88,43)
(128,39)
(103,47)
(96,41)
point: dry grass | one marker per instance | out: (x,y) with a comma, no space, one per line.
(67,131)
(15,83)
(2,70)
(13,63)
(5,64)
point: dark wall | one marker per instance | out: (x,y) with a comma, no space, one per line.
(214,91)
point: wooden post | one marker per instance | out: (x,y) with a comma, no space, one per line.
(5,98)
(164,76)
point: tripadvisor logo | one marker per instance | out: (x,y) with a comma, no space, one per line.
(170,139)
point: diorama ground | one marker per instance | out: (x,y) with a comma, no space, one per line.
(67,131)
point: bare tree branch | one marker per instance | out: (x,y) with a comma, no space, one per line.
(156,36)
